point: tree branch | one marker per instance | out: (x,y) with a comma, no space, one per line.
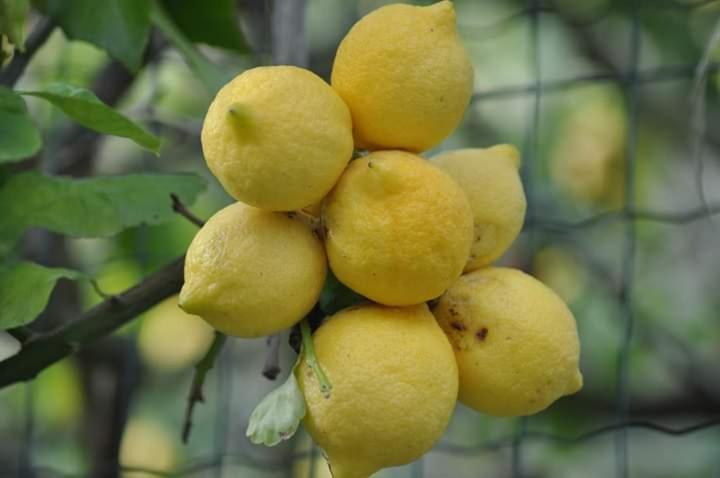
(196,389)
(181,209)
(44,350)
(10,75)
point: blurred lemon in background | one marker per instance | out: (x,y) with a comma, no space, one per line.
(58,398)
(147,444)
(171,340)
(587,159)
(561,271)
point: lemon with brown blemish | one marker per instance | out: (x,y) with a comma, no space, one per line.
(515,341)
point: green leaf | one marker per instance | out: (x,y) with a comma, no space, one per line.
(25,289)
(212,77)
(336,296)
(120,27)
(84,107)
(9,346)
(13,16)
(214,22)
(278,415)
(94,207)
(19,138)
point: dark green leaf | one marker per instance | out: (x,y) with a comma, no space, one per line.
(93,207)
(214,22)
(211,76)
(120,27)
(25,289)
(278,415)
(84,107)
(13,16)
(336,296)
(19,138)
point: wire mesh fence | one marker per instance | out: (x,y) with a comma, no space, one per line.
(539,230)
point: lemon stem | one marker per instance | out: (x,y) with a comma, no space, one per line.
(311,359)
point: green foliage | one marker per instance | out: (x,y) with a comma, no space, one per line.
(13,14)
(336,296)
(95,207)
(25,289)
(19,138)
(212,21)
(121,27)
(278,415)
(84,107)
(212,77)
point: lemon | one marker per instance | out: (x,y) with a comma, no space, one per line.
(394,383)
(405,76)
(515,341)
(277,137)
(490,179)
(399,229)
(250,272)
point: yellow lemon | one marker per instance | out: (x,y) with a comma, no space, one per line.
(405,76)
(515,341)
(277,137)
(491,181)
(399,229)
(394,389)
(250,272)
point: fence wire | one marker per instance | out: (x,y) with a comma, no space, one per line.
(630,80)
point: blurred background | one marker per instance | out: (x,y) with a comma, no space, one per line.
(614,105)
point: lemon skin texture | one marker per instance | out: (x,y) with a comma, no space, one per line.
(277,137)
(398,229)
(405,75)
(394,380)
(515,341)
(251,273)
(492,183)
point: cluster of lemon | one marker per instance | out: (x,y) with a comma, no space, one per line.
(396,228)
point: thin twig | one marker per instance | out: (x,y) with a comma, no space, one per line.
(196,389)
(272,369)
(181,209)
